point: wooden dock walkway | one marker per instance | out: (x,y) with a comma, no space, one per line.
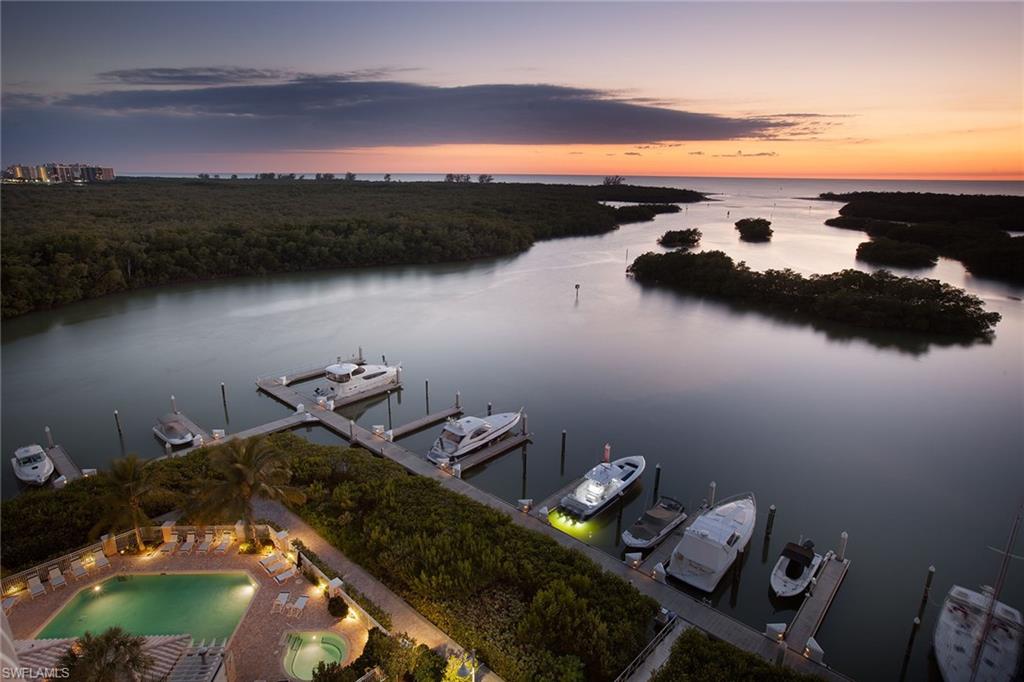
(552,501)
(814,607)
(424,422)
(485,455)
(701,615)
(63,464)
(662,552)
(195,428)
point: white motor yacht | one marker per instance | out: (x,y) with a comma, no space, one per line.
(459,437)
(171,429)
(795,568)
(348,380)
(32,465)
(712,542)
(603,484)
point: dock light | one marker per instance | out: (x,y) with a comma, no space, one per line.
(96,588)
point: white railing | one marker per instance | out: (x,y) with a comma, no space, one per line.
(306,564)
(647,650)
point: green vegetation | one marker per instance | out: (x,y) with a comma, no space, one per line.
(642,212)
(885,251)
(64,244)
(754,229)
(337,607)
(969,228)
(398,657)
(681,239)
(111,656)
(696,657)
(879,300)
(471,571)
(128,485)
(370,606)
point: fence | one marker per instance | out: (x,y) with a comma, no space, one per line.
(647,650)
(307,566)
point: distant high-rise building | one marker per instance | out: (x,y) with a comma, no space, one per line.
(59,172)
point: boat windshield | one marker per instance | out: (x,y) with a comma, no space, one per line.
(34,458)
(450,441)
(340,378)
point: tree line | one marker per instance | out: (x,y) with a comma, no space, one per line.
(64,244)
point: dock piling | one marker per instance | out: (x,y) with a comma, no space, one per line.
(383,359)
(426,393)
(117,420)
(843,537)
(167,449)
(712,487)
(490,407)
(525,447)
(563,454)
(389,410)
(771,521)
(49,436)
(526,429)
(174,404)
(223,394)
(927,589)
(657,480)
(458,399)
(351,431)
(360,356)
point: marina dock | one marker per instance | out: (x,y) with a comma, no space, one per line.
(552,501)
(424,422)
(814,607)
(485,455)
(63,464)
(195,428)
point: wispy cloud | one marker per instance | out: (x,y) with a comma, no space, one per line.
(232,75)
(741,154)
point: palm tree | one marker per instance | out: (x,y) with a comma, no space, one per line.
(129,483)
(112,656)
(246,469)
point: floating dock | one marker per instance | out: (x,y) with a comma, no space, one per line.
(63,465)
(814,607)
(195,428)
(484,455)
(424,422)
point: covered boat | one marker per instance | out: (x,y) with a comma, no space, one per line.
(655,524)
(171,428)
(603,484)
(795,568)
(32,465)
(959,632)
(459,437)
(710,545)
(348,380)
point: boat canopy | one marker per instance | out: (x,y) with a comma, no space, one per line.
(699,547)
(800,555)
(172,426)
(603,473)
(466,425)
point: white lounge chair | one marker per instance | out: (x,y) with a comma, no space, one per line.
(277,566)
(100,561)
(298,607)
(78,570)
(57,579)
(282,599)
(206,544)
(270,559)
(225,541)
(189,544)
(35,586)
(169,546)
(286,576)
(10,602)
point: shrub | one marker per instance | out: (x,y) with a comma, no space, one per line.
(884,251)
(337,607)
(681,239)
(643,212)
(754,229)
(697,658)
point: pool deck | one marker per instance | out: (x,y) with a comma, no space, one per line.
(256,647)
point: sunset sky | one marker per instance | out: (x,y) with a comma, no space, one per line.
(876,90)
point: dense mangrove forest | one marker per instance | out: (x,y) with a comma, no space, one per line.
(973,229)
(65,243)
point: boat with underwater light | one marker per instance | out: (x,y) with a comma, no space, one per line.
(603,484)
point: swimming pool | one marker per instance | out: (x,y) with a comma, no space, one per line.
(204,605)
(305,650)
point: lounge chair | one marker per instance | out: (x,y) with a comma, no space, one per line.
(277,566)
(225,541)
(282,599)
(35,586)
(10,602)
(207,542)
(100,561)
(286,576)
(57,578)
(189,544)
(270,559)
(77,569)
(169,546)
(298,607)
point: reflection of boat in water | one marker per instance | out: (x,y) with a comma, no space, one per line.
(32,465)
(603,484)
(795,568)
(655,523)
(710,545)
(171,429)
(459,437)
(978,637)
(348,381)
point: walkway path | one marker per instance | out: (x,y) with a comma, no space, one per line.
(404,618)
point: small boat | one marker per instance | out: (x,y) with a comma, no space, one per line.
(459,437)
(603,484)
(959,631)
(348,380)
(171,429)
(711,544)
(795,568)
(655,524)
(32,465)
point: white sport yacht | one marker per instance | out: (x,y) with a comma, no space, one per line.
(603,484)
(795,568)
(32,465)
(459,437)
(712,542)
(171,429)
(348,380)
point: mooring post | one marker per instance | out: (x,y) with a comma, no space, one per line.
(458,399)
(426,393)
(843,537)
(771,521)
(910,647)
(174,405)
(526,430)
(711,493)
(223,394)
(351,430)
(49,436)
(489,408)
(524,472)
(167,449)
(389,410)
(657,480)
(360,356)
(383,359)
(927,589)
(117,420)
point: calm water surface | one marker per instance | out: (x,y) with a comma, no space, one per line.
(912,446)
